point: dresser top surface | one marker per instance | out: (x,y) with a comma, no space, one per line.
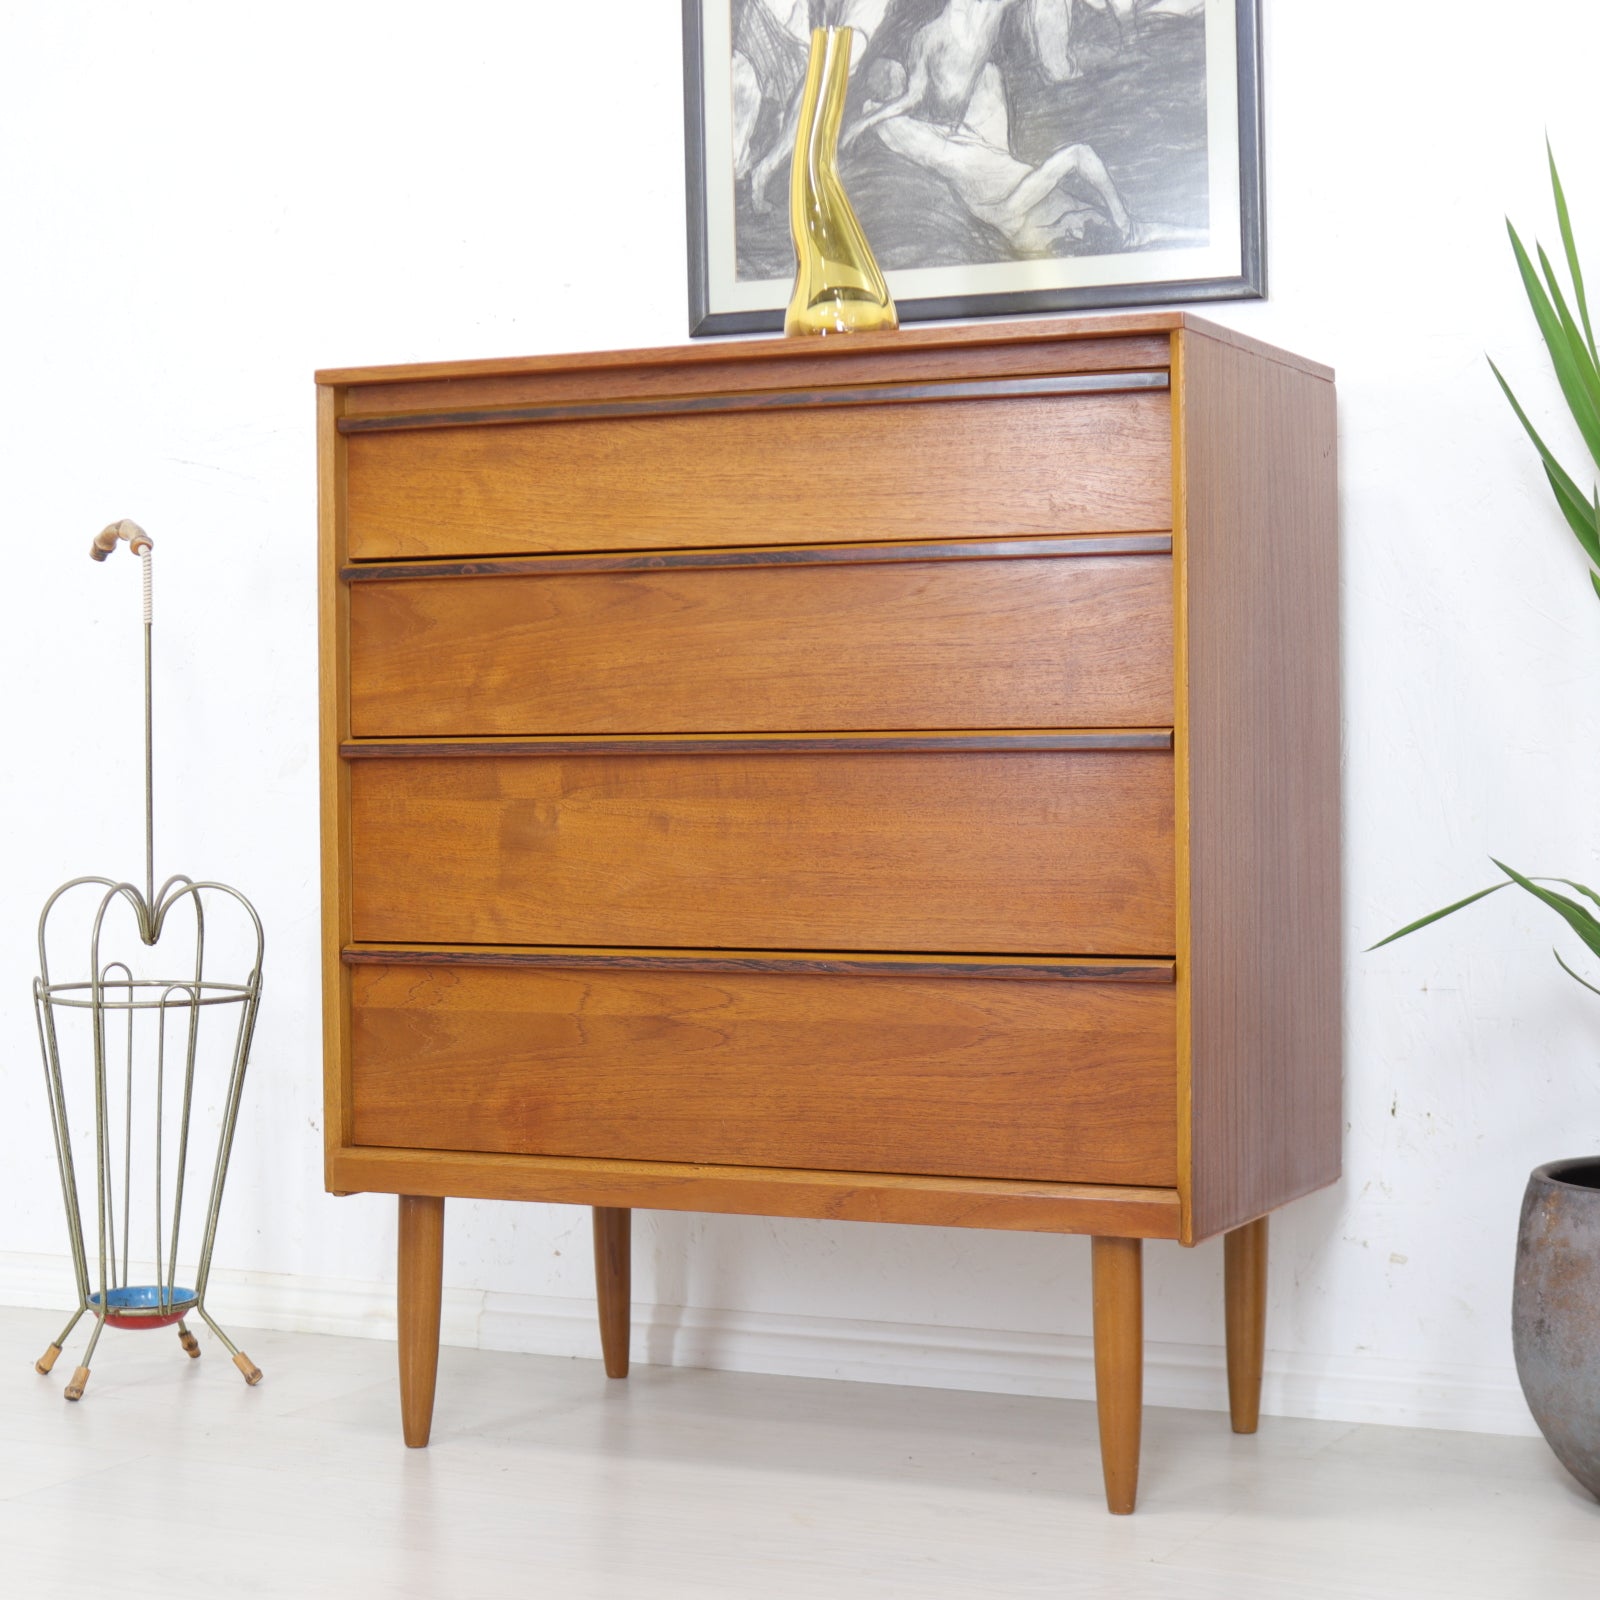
(973,336)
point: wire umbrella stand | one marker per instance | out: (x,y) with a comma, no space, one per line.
(162,1086)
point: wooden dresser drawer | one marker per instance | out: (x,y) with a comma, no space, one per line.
(1049,464)
(1053,638)
(822,849)
(1069,1081)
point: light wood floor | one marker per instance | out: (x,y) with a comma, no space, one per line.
(546,1480)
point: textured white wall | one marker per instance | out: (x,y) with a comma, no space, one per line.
(205,203)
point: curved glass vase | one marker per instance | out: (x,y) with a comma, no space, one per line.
(838,287)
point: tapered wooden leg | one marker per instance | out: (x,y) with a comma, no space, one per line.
(1119,1364)
(612,1277)
(1244,1279)
(421,1286)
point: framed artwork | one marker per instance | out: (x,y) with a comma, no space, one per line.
(1004,156)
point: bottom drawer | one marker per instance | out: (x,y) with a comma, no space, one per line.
(964,1077)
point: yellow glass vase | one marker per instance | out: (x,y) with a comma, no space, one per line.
(838,287)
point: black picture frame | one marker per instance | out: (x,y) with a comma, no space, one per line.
(1103,94)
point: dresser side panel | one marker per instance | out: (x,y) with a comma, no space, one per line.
(1261,580)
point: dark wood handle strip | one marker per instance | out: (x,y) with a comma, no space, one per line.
(771,400)
(1080,544)
(1040,969)
(667,744)
(816,363)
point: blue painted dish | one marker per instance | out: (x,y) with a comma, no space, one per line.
(146,1305)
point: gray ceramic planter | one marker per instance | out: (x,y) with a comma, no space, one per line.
(1555,1311)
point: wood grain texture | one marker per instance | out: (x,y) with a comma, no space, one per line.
(722,368)
(717,829)
(1089,463)
(831,395)
(1070,643)
(1118,1268)
(983,346)
(1064,1082)
(1259,549)
(420,1288)
(1044,344)
(1244,1283)
(1182,788)
(1026,853)
(574,958)
(942,1202)
(613,1277)
(1257,349)
(333,710)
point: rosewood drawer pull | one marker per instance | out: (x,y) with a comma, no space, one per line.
(777,400)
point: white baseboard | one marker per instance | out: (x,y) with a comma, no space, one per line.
(1331,1388)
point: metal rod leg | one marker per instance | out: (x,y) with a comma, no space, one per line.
(252,1373)
(80,1377)
(45,1362)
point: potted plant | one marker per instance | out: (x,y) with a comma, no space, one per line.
(1556,1298)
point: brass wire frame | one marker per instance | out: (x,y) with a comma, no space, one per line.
(111,990)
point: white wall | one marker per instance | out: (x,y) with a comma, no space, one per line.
(203,203)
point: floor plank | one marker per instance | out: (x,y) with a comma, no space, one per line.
(689,1483)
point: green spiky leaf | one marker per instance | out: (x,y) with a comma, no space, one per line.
(1571,249)
(1582,888)
(1512,878)
(1583,409)
(1570,973)
(1574,346)
(1581,921)
(1434,916)
(1574,365)
(1582,517)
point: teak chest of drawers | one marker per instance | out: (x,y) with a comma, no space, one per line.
(892,779)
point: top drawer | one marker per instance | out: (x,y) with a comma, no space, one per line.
(838,471)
